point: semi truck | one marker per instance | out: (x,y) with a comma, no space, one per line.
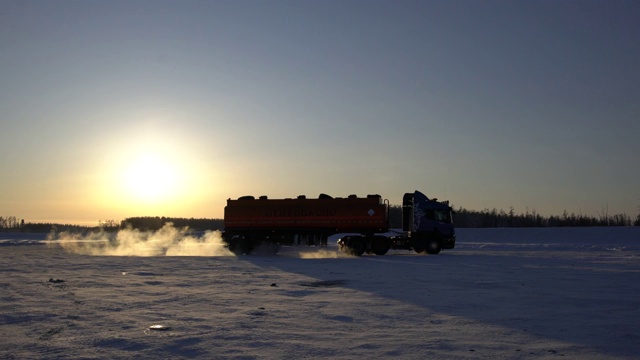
(261,223)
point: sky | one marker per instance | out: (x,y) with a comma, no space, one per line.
(114,109)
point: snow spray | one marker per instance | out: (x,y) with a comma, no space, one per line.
(167,241)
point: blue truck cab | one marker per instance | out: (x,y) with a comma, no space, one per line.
(428,222)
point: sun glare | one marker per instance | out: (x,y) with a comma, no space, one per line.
(150,178)
(153,172)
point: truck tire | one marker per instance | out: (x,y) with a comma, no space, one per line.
(433,246)
(356,246)
(247,246)
(380,245)
(418,245)
(241,245)
(235,246)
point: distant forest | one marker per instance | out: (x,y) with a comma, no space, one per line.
(462,218)
(465,218)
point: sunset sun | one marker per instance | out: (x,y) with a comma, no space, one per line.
(150,178)
(152,172)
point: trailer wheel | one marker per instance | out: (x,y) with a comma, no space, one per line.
(356,246)
(234,246)
(266,248)
(247,246)
(380,246)
(241,245)
(433,246)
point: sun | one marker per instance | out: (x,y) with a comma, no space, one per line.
(152,171)
(150,178)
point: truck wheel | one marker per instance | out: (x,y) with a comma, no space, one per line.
(241,246)
(266,248)
(380,246)
(232,241)
(433,246)
(248,246)
(235,247)
(418,245)
(356,246)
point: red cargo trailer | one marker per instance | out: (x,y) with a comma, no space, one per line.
(301,220)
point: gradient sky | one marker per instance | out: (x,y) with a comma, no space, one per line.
(112,109)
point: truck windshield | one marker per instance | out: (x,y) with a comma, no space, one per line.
(440,215)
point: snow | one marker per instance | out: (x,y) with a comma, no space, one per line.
(501,293)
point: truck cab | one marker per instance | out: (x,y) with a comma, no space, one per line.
(428,222)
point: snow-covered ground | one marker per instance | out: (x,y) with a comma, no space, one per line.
(501,293)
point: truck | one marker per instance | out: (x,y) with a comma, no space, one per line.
(261,223)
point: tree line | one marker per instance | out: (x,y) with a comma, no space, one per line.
(143,223)
(500,218)
(9,226)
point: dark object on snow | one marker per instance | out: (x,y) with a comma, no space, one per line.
(323,283)
(55,281)
(50,333)
(159,328)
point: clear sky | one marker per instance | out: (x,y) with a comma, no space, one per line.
(112,109)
